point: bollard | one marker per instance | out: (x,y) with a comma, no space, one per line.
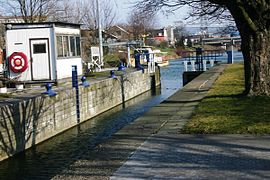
(121,67)
(112,74)
(85,83)
(49,90)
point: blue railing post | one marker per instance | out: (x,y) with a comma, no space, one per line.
(137,59)
(230,52)
(230,57)
(76,86)
(199,58)
(74,76)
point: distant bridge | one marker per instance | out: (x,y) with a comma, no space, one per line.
(222,40)
(127,43)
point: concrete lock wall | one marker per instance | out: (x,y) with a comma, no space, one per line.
(29,122)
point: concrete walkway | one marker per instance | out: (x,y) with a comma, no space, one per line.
(153,148)
(170,155)
(199,157)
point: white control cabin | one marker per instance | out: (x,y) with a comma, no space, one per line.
(42,52)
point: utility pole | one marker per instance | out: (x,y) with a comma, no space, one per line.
(100,36)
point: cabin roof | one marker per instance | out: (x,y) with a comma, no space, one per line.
(41,25)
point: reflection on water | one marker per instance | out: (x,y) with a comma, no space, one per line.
(237,56)
(171,78)
(50,157)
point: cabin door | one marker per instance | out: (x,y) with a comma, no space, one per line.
(40,59)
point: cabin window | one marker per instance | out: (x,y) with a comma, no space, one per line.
(68,46)
(39,48)
(59,46)
(72,46)
(78,46)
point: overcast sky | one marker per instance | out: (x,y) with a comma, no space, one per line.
(123,10)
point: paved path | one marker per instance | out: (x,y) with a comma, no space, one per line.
(152,147)
(199,157)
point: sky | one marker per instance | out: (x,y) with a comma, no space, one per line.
(123,10)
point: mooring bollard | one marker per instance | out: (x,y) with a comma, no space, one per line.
(121,67)
(49,90)
(85,83)
(112,74)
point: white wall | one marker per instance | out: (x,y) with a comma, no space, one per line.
(67,31)
(64,67)
(18,41)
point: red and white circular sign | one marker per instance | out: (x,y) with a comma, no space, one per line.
(18,62)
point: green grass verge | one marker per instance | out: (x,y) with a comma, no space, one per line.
(226,110)
(98,74)
(169,51)
(5,95)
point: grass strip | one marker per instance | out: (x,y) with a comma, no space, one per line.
(225,110)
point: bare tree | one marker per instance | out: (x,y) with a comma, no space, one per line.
(252,19)
(84,12)
(29,10)
(228,29)
(180,30)
(107,14)
(140,23)
(69,11)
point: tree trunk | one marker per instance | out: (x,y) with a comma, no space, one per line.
(255,33)
(256,51)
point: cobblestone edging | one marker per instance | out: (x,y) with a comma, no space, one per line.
(27,122)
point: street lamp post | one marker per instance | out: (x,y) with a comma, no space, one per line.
(100,35)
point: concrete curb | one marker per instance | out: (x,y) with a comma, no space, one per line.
(187,100)
(197,89)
